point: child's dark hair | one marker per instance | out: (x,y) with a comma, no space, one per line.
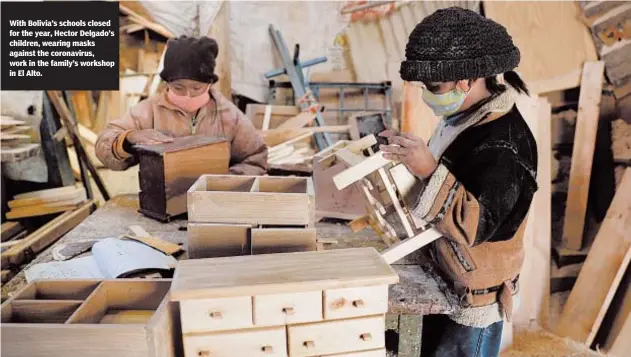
(510,77)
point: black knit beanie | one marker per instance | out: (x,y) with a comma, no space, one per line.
(190,58)
(454,44)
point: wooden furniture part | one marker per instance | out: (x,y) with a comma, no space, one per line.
(45,235)
(168,170)
(243,215)
(131,317)
(10,229)
(583,154)
(601,271)
(287,304)
(347,203)
(255,200)
(275,114)
(385,186)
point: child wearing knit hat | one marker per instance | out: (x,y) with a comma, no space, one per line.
(476,176)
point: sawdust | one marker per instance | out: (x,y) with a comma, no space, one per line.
(621,139)
(534,342)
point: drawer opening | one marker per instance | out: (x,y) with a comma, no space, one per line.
(39,311)
(121,302)
(282,184)
(227,183)
(58,290)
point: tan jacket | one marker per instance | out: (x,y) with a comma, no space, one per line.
(247,149)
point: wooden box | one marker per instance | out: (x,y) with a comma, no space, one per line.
(256,200)
(243,215)
(130,317)
(168,170)
(288,304)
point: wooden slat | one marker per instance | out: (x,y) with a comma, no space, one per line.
(9,229)
(357,172)
(618,343)
(70,195)
(298,121)
(583,154)
(407,246)
(600,268)
(220,31)
(47,234)
(280,273)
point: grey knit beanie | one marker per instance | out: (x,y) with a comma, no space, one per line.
(190,58)
(454,44)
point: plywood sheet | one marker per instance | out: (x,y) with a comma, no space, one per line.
(280,273)
(552,40)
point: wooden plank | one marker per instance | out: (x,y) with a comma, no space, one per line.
(47,234)
(583,154)
(409,245)
(156,243)
(207,240)
(43,209)
(553,42)
(220,31)
(299,121)
(292,272)
(600,268)
(610,294)
(83,106)
(280,113)
(76,193)
(9,229)
(283,240)
(153,26)
(617,342)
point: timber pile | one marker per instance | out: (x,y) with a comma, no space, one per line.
(39,203)
(15,141)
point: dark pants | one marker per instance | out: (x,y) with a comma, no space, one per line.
(444,338)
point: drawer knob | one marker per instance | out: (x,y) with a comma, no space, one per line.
(289,310)
(309,344)
(365,337)
(203,353)
(215,315)
(267,349)
(358,303)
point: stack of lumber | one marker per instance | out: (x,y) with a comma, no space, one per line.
(45,202)
(610,25)
(16,144)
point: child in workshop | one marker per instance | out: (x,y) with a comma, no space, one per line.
(189,105)
(477,174)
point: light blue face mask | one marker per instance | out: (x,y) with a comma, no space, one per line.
(444,104)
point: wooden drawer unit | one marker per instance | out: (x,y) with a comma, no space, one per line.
(256,200)
(282,309)
(338,336)
(268,342)
(353,302)
(216,314)
(97,318)
(269,298)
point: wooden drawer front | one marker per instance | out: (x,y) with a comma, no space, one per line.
(269,342)
(282,309)
(353,302)
(322,338)
(216,314)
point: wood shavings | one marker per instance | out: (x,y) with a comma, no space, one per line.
(539,343)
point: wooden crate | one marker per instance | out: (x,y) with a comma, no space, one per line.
(131,317)
(288,304)
(168,170)
(255,200)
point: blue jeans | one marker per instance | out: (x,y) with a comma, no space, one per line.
(444,338)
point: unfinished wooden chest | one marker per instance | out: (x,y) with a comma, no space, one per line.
(242,215)
(131,318)
(168,170)
(289,304)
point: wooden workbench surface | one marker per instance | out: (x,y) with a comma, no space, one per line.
(418,292)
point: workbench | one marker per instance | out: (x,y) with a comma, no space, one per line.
(419,292)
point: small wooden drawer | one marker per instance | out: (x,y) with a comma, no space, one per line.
(216,314)
(329,337)
(281,309)
(268,342)
(354,302)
